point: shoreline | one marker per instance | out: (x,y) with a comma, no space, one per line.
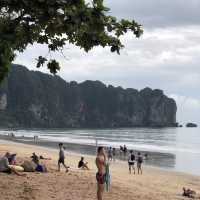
(54,148)
(165,161)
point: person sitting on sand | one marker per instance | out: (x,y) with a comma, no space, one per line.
(100,176)
(131,161)
(12,159)
(4,165)
(82,164)
(61,159)
(139,163)
(35,158)
(39,167)
(189,193)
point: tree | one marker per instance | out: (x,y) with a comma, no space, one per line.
(57,23)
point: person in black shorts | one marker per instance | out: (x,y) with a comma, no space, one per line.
(61,159)
(82,164)
(131,161)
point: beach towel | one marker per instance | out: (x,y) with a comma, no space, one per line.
(107,178)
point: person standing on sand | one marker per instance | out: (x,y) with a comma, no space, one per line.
(125,150)
(100,175)
(131,161)
(139,163)
(114,154)
(61,159)
(110,155)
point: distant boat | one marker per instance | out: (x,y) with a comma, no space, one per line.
(191,125)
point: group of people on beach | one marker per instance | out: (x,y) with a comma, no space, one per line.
(132,158)
(8,164)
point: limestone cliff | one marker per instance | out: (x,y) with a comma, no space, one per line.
(33,99)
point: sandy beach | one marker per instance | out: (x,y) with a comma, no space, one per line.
(154,184)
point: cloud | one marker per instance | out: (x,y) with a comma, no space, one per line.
(188,108)
(165,57)
(158,13)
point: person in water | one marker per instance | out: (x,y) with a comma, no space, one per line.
(139,163)
(131,161)
(101,167)
(82,164)
(61,159)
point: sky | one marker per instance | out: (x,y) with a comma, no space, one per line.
(165,57)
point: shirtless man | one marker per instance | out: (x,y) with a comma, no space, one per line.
(100,176)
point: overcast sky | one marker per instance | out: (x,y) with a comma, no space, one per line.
(165,57)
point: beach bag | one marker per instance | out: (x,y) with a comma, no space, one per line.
(107,178)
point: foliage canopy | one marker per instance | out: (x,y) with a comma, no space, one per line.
(57,23)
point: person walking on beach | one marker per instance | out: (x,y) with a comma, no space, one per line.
(61,159)
(131,161)
(100,175)
(139,163)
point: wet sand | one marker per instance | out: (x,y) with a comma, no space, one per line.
(156,159)
(154,184)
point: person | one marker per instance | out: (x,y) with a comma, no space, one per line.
(114,154)
(100,175)
(35,158)
(146,156)
(121,150)
(12,159)
(110,157)
(35,138)
(82,164)
(131,161)
(61,159)
(125,150)
(139,163)
(189,193)
(4,165)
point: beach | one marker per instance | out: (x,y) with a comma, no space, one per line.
(154,184)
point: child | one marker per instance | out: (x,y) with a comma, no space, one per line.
(61,159)
(82,164)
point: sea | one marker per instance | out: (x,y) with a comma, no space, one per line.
(175,149)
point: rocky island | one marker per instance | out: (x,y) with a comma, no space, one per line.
(32,99)
(191,125)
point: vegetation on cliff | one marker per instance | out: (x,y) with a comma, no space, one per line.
(34,99)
